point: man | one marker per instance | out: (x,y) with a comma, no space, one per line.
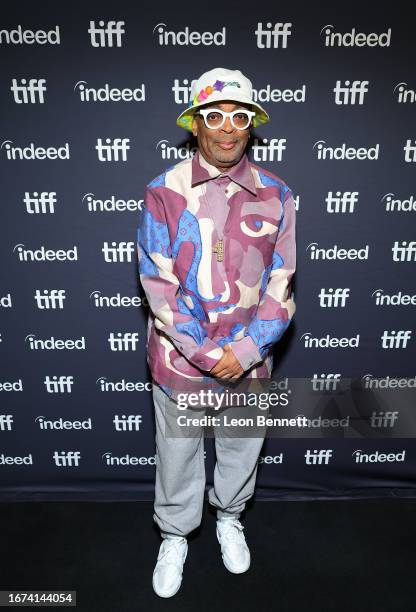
(216,250)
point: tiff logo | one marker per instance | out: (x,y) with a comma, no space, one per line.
(126,341)
(59,384)
(37,203)
(406,252)
(50,299)
(66,459)
(6,421)
(318,457)
(341,202)
(103,36)
(325,382)
(118,252)
(347,94)
(409,151)
(333,298)
(127,423)
(267,150)
(31,93)
(395,339)
(383,418)
(266,36)
(111,152)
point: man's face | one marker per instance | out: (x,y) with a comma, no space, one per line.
(209,141)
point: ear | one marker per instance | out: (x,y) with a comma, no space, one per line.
(194,126)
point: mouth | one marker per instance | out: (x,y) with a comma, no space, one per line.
(227,145)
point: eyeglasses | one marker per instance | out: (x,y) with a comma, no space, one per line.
(214,118)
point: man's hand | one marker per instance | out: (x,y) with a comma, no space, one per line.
(228,366)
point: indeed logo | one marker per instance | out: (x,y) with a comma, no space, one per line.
(269,459)
(377,457)
(111,204)
(344,152)
(117,301)
(395,204)
(32,152)
(43,254)
(182,93)
(395,299)
(105,94)
(106,35)
(350,93)
(61,424)
(272,35)
(404,95)
(341,202)
(336,252)
(106,385)
(112,460)
(185,152)
(51,344)
(318,457)
(354,39)
(185,37)
(19,36)
(388,382)
(321,422)
(269,151)
(329,342)
(16,460)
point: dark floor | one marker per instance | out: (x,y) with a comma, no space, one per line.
(313,555)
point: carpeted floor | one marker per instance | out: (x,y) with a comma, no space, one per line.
(317,555)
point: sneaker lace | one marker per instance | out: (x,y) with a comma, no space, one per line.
(232,531)
(171,551)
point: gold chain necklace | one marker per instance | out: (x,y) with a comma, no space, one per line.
(218,248)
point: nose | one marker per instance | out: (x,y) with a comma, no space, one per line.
(228,126)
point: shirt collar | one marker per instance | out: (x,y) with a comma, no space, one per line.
(240,173)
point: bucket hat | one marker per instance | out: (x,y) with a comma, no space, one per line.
(221,84)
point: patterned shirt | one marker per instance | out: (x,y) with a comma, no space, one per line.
(197,303)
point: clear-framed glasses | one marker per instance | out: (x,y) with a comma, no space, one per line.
(214,118)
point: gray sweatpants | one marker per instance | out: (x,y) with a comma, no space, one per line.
(180,470)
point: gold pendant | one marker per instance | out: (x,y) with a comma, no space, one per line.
(219,249)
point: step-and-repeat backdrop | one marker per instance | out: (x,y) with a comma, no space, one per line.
(89,99)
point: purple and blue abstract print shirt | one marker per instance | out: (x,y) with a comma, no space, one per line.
(198,304)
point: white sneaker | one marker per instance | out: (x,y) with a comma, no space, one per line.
(167,575)
(234,549)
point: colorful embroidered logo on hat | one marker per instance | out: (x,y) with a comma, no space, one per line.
(209,89)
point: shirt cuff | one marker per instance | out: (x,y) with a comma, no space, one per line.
(246,351)
(207,355)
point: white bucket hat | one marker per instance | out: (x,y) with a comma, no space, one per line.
(221,84)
